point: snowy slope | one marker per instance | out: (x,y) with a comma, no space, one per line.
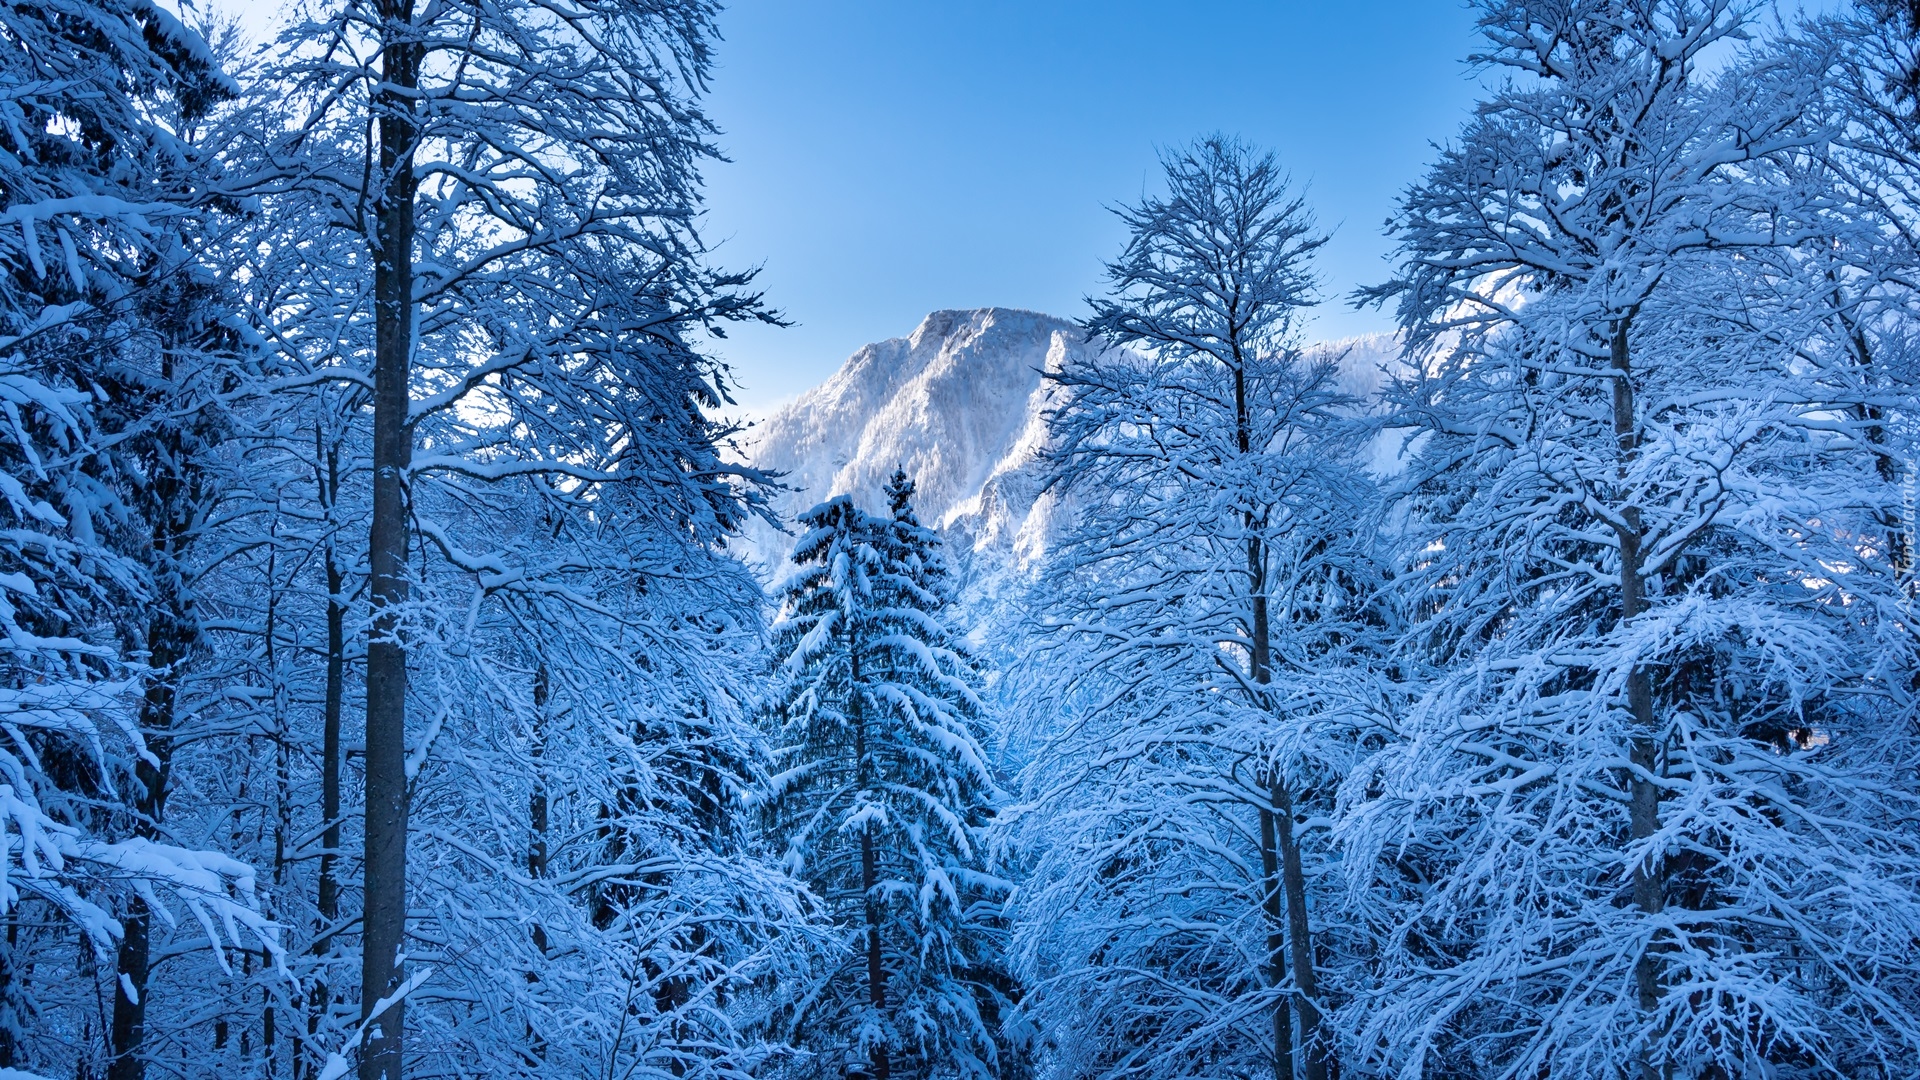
(960,404)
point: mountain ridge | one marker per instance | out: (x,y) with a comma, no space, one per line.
(960,404)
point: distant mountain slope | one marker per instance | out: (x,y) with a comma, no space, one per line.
(960,404)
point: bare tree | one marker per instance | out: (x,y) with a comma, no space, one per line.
(1207,463)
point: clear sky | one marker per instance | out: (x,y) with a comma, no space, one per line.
(891,157)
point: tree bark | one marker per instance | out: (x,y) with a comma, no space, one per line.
(1315,1051)
(168,638)
(537,842)
(282,827)
(1275,830)
(537,801)
(1649,884)
(321,999)
(329,898)
(130,1015)
(171,632)
(384,917)
(876,970)
(1276,946)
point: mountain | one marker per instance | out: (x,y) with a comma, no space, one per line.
(960,404)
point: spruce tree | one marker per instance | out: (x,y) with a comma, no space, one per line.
(110,325)
(882,796)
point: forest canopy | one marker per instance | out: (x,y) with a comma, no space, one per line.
(387,691)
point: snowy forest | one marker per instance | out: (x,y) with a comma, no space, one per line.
(388,691)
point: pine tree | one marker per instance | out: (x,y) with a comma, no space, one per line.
(110,342)
(882,795)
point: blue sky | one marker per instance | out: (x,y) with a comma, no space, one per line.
(891,157)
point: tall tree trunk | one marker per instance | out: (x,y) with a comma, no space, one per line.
(876,970)
(269,1047)
(537,844)
(1272,828)
(282,817)
(537,801)
(172,630)
(329,898)
(324,942)
(879,1063)
(130,1013)
(1649,883)
(169,635)
(1314,1049)
(1276,946)
(384,916)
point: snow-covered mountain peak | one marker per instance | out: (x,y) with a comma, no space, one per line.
(961,405)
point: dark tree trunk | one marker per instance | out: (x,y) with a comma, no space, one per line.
(1649,883)
(169,635)
(321,998)
(384,916)
(329,898)
(130,1016)
(269,1046)
(876,968)
(537,844)
(282,830)
(537,802)
(171,632)
(1271,828)
(1276,834)
(1276,945)
(1317,1054)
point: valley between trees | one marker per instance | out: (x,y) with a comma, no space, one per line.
(388,691)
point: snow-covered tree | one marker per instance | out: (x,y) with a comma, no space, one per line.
(527,222)
(1215,569)
(881,798)
(1868,176)
(497,328)
(112,342)
(1643,815)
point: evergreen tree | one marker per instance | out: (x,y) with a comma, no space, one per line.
(110,330)
(882,795)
